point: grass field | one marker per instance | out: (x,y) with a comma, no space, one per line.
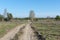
(7,26)
(48,28)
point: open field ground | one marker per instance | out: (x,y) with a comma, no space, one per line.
(50,29)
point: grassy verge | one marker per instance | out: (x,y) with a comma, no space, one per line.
(6,26)
(50,30)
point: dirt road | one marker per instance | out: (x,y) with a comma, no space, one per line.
(28,34)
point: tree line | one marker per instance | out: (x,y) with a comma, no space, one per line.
(31,17)
(8,18)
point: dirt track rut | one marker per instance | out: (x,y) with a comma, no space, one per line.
(28,34)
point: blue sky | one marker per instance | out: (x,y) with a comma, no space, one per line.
(21,8)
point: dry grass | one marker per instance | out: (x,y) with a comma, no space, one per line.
(48,28)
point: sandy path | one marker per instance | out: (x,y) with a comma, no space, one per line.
(28,33)
(12,33)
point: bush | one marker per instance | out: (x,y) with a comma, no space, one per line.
(1,17)
(57,17)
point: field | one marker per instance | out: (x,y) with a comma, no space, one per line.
(7,26)
(50,29)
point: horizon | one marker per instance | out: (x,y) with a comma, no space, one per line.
(21,8)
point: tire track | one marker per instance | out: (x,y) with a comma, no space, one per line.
(28,34)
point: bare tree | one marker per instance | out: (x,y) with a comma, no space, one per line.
(32,15)
(5,13)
